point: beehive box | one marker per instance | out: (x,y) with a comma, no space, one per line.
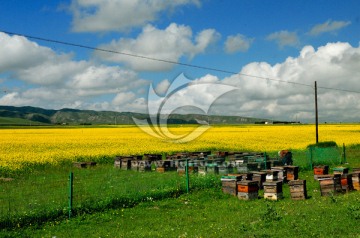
(152,157)
(247,167)
(247,186)
(264,165)
(225,169)
(243,176)
(84,164)
(346,182)
(259,177)
(212,169)
(273,187)
(237,177)
(160,169)
(275,163)
(125,164)
(298,189)
(321,170)
(229,185)
(273,196)
(144,166)
(356,180)
(330,185)
(281,173)
(202,170)
(341,170)
(271,175)
(292,172)
(117,162)
(247,190)
(134,165)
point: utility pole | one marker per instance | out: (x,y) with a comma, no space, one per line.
(316,115)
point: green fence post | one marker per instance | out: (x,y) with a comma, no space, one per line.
(311,160)
(70,193)
(344,154)
(187,175)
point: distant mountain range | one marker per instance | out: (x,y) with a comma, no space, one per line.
(10,115)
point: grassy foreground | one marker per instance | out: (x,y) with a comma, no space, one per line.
(208,212)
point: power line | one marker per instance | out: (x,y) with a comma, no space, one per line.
(169,61)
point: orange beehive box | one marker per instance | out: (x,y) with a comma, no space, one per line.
(247,186)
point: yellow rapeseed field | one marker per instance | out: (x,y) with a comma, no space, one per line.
(51,145)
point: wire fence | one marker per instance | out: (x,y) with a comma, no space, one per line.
(51,196)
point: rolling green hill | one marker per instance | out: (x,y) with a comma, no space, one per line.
(10,115)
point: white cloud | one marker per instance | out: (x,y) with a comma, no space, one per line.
(284,38)
(123,98)
(237,43)
(169,44)
(119,15)
(54,80)
(328,26)
(285,91)
(16,52)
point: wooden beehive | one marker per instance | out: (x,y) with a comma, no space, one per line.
(229,185)
(117,162)
(84,164)
(298,189)
(330,185)
(243,176)
(356,180)
(273,187)
(247,190)
(160,169)
(292,172)
(321,170)
(144,165)
(341,170)
(259,177)
(212,168)
(125,164)
(226,169)
(134,165)
(281,173)
(271,175)
(273,190)
(346,182)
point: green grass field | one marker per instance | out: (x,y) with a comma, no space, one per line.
(110,202)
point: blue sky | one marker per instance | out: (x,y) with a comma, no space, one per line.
(278,42)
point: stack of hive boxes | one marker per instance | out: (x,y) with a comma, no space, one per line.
(346,178)
(281,175)
(298,189)
(229,184)
(356,178)
(273,190)
(247,190)
(292,172)
(259,177)
(330,184)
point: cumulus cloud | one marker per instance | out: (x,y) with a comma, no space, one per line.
(328,26)
(285,91)
(237,43)
(56,80)
(284,38)
(119,15)
(169,44)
